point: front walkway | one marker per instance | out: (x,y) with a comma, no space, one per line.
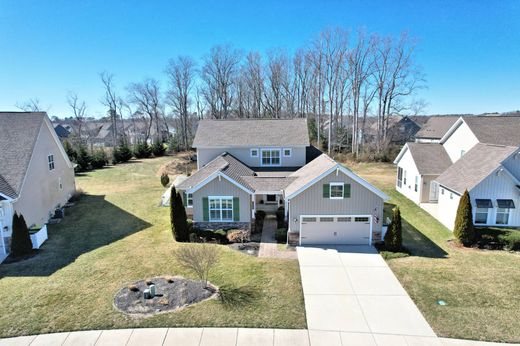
(268,245)
(350,292)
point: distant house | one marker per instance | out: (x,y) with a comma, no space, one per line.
(62,132)
(480,154)
(246,166)
(36,175)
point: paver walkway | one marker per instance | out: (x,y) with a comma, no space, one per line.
(268,245)
(351,289)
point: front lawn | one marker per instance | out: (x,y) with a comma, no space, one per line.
(481,288)
(116,235)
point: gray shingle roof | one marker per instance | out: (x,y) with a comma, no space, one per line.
(18,133)
(268,183)
(503,130)
(307,173)
(436,127)
(474,166)
(429,158)
(252,132)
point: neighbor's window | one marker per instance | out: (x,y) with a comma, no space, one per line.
(221,208)
(481,215)
(416,183)
(502,216)
(336,190)
(287,152)
(254,152)
(189,200)
(50,160)
(399,176)
(271,157)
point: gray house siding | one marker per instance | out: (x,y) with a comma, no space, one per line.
(311,202)
(221,188)
(297,158)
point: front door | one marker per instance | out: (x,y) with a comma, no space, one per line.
(434,191)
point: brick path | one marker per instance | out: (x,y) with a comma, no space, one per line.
(268,245)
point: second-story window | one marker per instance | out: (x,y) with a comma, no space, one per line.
(271,157)
(50,160)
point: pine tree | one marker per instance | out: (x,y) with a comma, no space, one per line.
(21,240)
(464,231)
(122,152)
(83,159)
(71,153)
(394,234)
(173,193)
(178,217)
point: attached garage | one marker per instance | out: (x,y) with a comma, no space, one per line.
(335,229)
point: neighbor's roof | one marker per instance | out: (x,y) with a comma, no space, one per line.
(474,166)
(309,172)
(502,130)
(436,127)
(429,158)
(252,132)
(19,131)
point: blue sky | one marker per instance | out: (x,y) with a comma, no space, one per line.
(469,50)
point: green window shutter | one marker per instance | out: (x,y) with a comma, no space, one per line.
(184,198)
(326,190)
(236,209)
(346,191)
(205,209)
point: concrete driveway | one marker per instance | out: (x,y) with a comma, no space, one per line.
(352,296)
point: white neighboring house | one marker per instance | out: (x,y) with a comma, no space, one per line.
(36,175)
(477,153)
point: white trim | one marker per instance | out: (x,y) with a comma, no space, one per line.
(401,153)
(290,152)
(217,174)
(221,198)
(342,190)
(270,149)
(508,172)
(187,198)
(452,129)
(252,145)
(370,219)
(7,198)
(251,152)
(349,174)
(279,192)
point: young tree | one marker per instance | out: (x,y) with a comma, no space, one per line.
(178,217)
(71,153)
(21,240)
(199,258)
(464,231)
(165,179)
(394,237)
(83,159)
(122,152)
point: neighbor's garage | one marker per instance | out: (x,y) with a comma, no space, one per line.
(335,229)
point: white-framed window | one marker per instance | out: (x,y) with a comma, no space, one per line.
(481,215)
(220,208)
(189,200)
(502,216)
(50,161)
(253,152)
(336,190)
(361,219)
(416,188)
(287,152)
(270,157)
(404,177)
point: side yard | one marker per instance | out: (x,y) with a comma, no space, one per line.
(117,235)
(480,287)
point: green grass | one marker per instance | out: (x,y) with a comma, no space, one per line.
(117,234)
(481,288)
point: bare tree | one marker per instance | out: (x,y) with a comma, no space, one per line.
(31,105)
(79,109)
(147,99)
(199,258)
(110,100)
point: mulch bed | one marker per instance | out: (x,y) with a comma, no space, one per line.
(11,259)
(172,293)
(250,248)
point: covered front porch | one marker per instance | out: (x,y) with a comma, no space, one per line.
(268,201)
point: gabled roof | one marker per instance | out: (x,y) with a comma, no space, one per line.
(475,166)
(251,132)
(502,130)
(436,127)
(429,158)
(18,134)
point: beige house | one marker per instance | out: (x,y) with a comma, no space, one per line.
(249,165)
(36,175)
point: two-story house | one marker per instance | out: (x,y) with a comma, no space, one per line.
(250,165)
(477,153)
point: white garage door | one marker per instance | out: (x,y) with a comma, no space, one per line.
(328,229)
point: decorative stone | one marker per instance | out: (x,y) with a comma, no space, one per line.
(146,294)
(152,290)
(223,225)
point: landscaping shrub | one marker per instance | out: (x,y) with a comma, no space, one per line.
(238,236)
(142,150)
(511,240)
(259,220)
(158,149)
(199,258)
(208,235)
(99,159)
(165,179)
(122,152)
(464,230)
(178,217)
(83,159)
(281,235)
(394,236)
(280,217)
(71,152)
(21,240)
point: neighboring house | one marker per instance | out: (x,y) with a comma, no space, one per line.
(401,129)
(250,165)
(433,130)
(477,153)
(36,175)
(62,132)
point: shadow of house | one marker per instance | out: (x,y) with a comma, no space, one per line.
(92,223)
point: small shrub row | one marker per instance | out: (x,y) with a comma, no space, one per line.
(142,150)
(238,236)
(280,217)
(511,240)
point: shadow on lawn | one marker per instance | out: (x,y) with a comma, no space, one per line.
(92,223)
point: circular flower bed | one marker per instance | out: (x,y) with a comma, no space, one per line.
(171,293)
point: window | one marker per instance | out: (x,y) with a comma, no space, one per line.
(221,208)
(287,152)
(451,195)
(60,185)
(271,157)
(361,219)
(326,219)
(270,198)
(50,160)
(502,216)
(254,152)
(308,219)
(189,200)
(404,177)
(344,219)
(336,190)
(399,177)
(416,183)
(442,191)
(481,215)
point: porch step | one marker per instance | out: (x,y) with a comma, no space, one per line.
(293,238)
